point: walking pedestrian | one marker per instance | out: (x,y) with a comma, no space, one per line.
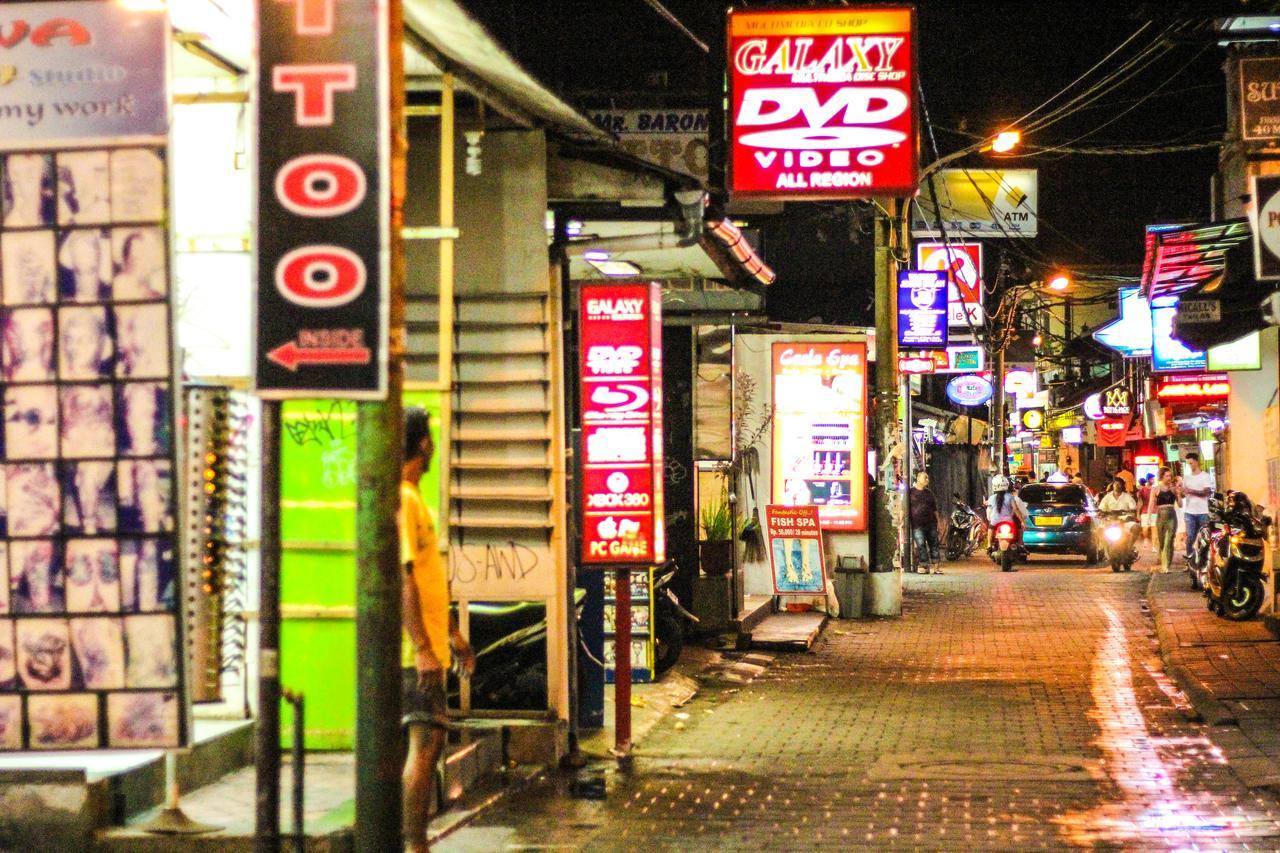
(923,510)
(430,631)
(1197,486)
(1146,519)
(1163,504)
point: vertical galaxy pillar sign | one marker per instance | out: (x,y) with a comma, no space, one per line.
(323,209)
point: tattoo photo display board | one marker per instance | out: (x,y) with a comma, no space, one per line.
(90,645)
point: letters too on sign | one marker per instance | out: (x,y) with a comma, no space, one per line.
(822,103)
(319,185)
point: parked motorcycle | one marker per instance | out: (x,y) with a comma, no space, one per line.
(1006,544)
(966,531)
(1234,581)
(669,619)
(1119,538)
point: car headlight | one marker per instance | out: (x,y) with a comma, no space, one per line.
(1113,534)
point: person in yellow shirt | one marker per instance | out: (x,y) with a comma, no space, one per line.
(429,632)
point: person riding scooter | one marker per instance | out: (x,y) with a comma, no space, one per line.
(1120,529)
(1004,505)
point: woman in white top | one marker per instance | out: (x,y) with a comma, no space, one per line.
(1004,505)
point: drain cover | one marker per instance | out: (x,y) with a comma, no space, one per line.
(964,767)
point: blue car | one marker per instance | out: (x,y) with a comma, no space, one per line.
(1061,520)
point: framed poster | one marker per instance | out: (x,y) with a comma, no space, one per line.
(819,430)
(795,550)
(90,620)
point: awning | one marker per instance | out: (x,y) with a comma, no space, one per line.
(453,41)
(658,251)
(1181,257)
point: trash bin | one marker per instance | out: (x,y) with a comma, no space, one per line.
(850,577)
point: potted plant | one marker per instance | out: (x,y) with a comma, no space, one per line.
(715,551)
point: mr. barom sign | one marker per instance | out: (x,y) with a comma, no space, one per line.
(822,103)
(323,200)
(620,342)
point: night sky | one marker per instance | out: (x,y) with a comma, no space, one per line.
(981,64)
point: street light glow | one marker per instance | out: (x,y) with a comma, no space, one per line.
(1005,141)
(1059,282)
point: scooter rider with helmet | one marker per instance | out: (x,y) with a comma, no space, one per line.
(1004,504)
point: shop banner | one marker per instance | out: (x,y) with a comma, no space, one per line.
(78,73)
(795,550)
(819,430)
(962,263)
(1266,224)
(1260,98)
(1193,388)
(822,103)
(620,343)
(92,595)
(323,201)
(922,309)
(996,203)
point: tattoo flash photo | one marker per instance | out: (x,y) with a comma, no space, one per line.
(89,584)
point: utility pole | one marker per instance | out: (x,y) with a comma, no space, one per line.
(378,575)
(886,399)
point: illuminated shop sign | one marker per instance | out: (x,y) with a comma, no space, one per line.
(1130,333)
(620,339)
(1020,382)
(922,309)
(1116,401)
(1072,435)
(323,201)
(969,390)
(1033,418)
(1111,432)
(913,365)
(962,263)
(819,430)
(822,102)
(795,550)
(1167,352)
(1197,388)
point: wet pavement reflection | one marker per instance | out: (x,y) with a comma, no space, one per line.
(1004,711)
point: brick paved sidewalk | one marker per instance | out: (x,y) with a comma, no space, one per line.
(1229,670)
(1003,711)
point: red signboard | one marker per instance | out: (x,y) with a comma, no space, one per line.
(1112,432)
(620,341)
(915,364)
(795,550)
(1194,388)
(822,103)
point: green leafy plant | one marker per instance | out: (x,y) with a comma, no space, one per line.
(717,521)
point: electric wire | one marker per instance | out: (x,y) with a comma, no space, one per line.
(670,18)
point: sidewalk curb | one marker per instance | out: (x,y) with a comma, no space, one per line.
(1207,709)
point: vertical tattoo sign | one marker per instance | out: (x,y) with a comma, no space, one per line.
(90,627)
(322,213)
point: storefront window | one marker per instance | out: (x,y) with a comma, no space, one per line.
(712,396)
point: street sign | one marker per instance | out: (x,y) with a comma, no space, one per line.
(962,263)
(620,343)
(323,208)
(1260,98)
(1266,226)
(922,309)
(822,103)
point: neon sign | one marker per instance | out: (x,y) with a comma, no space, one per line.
(822,103)
(621,393)
(1203,388)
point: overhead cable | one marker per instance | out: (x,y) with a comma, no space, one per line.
(665,14)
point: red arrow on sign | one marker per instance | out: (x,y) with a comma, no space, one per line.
(289,355)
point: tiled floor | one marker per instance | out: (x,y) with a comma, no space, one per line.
(1003,711)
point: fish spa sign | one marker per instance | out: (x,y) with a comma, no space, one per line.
(823,103)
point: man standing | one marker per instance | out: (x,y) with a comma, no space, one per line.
(1197,486)
(924,525)
(429,629)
